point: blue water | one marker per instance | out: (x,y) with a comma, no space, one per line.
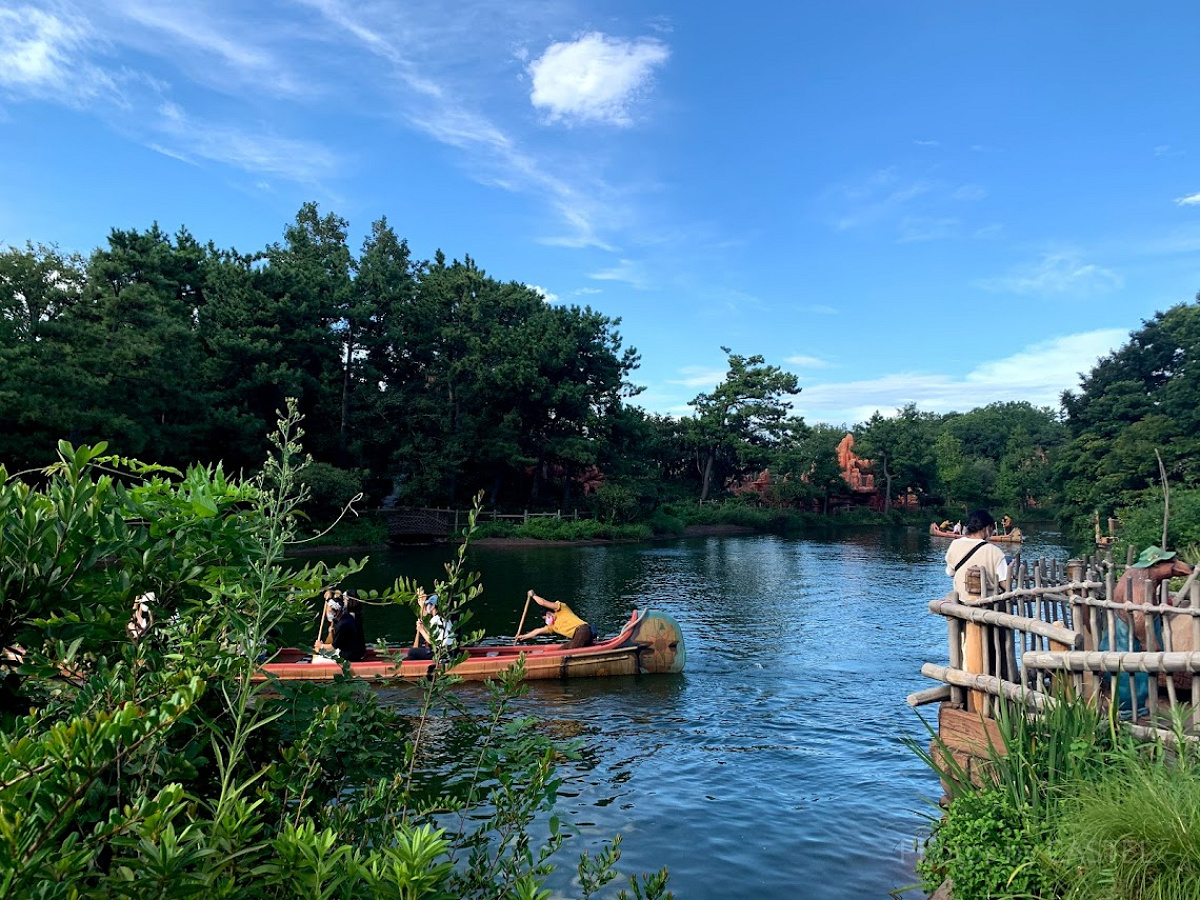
(774,765)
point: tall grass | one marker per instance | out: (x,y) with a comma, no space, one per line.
(1069,805)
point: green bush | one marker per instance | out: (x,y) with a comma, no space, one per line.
(329,489)
(988,846)
(550,529)
(356,532)
(156,767)
(1141,524)
(664,523)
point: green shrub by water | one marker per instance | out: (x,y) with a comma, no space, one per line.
(1075,808)
(155,766)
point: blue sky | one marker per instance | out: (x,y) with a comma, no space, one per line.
(945,203)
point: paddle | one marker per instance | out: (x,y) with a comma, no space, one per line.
(324,619)
(524,612)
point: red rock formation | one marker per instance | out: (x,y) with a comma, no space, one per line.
(855,471)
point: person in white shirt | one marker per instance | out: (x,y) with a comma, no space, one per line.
(974,549)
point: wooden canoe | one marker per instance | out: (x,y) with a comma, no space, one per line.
(995,538)
(650,643)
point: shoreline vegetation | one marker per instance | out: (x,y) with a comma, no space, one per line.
(139,758)
(1070,807)
(427,381)
(735,518)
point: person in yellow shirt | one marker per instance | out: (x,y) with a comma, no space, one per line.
(561,620)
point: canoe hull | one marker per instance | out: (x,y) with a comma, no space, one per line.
(650,643)
(995,538)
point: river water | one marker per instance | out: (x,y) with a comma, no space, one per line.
(773,766)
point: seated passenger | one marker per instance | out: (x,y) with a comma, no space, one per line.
(439,636)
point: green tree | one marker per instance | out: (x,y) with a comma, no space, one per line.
(1143,397)
(744,415)
(902,447)
(40,377)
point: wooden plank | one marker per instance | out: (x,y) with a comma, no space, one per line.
(968,731)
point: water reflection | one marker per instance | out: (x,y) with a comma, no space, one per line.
(774,763)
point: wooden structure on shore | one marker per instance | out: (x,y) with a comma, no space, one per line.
(1056,627)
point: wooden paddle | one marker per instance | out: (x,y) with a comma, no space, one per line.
(528,597)
(324,619)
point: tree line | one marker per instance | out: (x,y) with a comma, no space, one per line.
(427,381)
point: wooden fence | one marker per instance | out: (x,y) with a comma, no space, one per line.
(1055,627)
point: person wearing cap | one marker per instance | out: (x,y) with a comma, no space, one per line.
(974,549)
(560,619)
(1153,566)
(437,635)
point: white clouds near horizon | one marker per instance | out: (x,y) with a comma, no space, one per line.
(1037,374)
(1191,200)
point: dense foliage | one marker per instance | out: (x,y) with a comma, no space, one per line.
(1071,806)
(427,381)
(152,765)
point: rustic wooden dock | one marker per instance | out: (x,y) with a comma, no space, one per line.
(1043,635)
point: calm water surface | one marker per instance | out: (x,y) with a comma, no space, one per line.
(773,766)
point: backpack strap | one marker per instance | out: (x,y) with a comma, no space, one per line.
(962,562)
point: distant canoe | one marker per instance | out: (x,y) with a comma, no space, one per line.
(650,643)
(995,538)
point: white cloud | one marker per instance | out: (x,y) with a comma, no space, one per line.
(1038,374)
(928,143)
(548,296)
(1063,273)
(595,78)
(806,362)
(822,309)
(1191,200)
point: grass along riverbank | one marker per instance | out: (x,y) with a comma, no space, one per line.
(1073,808)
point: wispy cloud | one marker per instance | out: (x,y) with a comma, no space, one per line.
(1038,374)
(917,229)
(435,105)
(1191,200)
(46,55)
(879,196)
(261,153)
(1063,273)
(627,271)
(821,309)
(927,143)
(699,377)
(230,54)
(595,78)
(969,192)
(806,362)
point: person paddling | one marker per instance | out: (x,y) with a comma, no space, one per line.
(561,620)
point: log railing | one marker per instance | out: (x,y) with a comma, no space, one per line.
(1054,628)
